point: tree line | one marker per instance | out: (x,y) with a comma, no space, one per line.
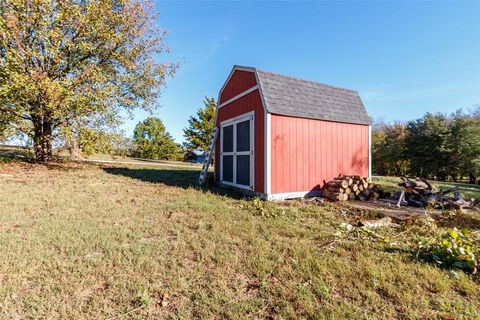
(436,146)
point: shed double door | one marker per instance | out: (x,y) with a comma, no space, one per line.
(236,158)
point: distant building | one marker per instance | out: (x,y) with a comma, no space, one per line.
(196,156)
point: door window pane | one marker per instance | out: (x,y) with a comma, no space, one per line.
(227,168)
(243,136)
(228,139)
(243,170)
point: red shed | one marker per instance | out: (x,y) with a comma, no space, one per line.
(280,137)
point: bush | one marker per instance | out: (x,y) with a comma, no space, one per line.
(263,208)
(452,249)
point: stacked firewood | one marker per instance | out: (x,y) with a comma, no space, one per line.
(345,187)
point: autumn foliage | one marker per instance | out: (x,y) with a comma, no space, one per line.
(65,64)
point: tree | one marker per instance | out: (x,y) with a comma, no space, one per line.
(464,159)
(427,147)
(92,141)
(64,62)
(200,128)
(379,142)
(388,142)
(437,146)
(152,141)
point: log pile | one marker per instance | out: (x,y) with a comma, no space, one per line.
(419,193)
(344,187)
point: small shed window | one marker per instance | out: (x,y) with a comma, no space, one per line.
(243,170)
(228,168)
(243,136)
(228,139)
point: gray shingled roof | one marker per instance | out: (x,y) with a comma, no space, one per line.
(307,99)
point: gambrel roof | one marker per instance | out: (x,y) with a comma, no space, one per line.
(295,97)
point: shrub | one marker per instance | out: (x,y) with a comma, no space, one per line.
(452,249)
(263,208)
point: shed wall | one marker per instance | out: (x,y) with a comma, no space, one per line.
(307,151)
(247,103)
(239,82)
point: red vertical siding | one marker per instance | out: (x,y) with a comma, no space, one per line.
(239,82)
(247,103)
(306,151)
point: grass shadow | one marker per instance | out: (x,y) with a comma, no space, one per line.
(16,153)
(175,178)
(470,220)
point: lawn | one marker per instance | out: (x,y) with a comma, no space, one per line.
(134,242)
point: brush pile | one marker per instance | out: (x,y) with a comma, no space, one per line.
(419,193)
(343,188)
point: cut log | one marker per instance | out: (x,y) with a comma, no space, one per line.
(348,178)
(360,187)
(380,223)
(354,187)
(361,197)
(335,196)
(377,190)
(335,189)
(338,183)
(367,193)
(347,191)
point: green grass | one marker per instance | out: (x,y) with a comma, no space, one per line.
(467,190)
(93,242)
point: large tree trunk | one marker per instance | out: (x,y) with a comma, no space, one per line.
(42,139)
(74,149)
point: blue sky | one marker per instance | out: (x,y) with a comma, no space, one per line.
(404,58)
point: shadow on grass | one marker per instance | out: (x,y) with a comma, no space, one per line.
(12,153)
(469,220)
(28,159)
(174,178)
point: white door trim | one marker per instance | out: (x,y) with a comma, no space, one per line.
(268,153)
(233,121)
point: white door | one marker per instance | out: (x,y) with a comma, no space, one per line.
(236,159)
